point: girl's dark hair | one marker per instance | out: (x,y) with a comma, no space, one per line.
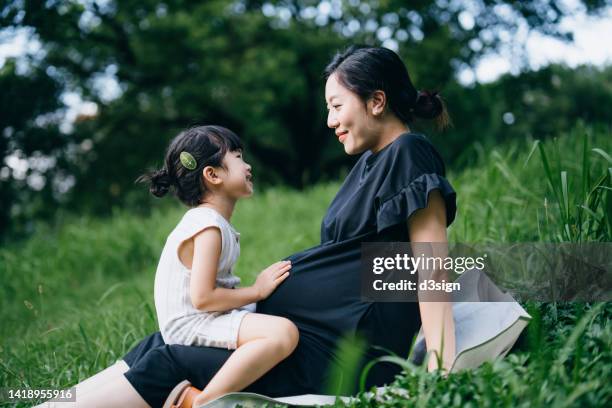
(364,70)
(208,146)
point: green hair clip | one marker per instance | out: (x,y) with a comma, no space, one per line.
(188,161)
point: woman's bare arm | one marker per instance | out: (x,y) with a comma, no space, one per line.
(426,226)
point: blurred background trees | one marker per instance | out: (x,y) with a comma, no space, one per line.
(147,69)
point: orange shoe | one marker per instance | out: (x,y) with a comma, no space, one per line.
(182,396)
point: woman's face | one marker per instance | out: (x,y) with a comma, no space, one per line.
(348,116)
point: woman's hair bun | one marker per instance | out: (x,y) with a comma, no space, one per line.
(159,182)
(430,105)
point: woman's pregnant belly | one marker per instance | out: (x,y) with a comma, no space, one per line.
(322,293)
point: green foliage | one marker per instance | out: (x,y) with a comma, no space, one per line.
(536,208)
(537,104)
(255,67)
(571,371)
(30,130)
(74,300)
(585,207)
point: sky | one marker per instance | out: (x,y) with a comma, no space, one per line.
(589,47)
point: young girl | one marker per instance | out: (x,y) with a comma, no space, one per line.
(196,295)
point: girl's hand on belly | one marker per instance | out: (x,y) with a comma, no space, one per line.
(269,279)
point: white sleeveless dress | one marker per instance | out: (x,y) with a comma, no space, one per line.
(179,321)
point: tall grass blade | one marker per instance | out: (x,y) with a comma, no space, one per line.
(403,363)
(109,291)
(85,338)
(586,180)
(549,174)
(608,206)
(343,374)
(578,330)
(579,391)
(586,168)
(565,197)
(531,152)
(603,154)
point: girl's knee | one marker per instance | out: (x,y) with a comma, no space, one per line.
(286,336)
(293,335)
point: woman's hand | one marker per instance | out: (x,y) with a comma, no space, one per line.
(271,277)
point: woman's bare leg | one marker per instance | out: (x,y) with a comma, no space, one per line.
(118,393)
(106,389)
(94,382)
(263,342)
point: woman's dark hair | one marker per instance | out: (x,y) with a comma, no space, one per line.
(364,70)
(208,146)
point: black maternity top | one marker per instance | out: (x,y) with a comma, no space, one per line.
(322,294)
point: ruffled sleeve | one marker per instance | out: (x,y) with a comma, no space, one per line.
(399,208)
(415,171)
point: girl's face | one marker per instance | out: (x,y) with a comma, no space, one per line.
(354,125)
(236,176)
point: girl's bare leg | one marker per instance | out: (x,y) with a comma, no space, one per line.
(263,342)
(106,389)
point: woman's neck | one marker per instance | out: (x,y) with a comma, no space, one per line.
(223,205)
(389,132)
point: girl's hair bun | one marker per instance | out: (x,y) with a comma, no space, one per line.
(430,105)
(159,182)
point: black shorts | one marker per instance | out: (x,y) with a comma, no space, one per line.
(155,368)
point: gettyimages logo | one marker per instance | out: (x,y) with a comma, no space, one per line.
(405,264)
(412,264)
(416,272)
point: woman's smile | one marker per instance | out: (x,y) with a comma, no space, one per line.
(342,135)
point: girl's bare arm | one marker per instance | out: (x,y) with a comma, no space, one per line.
(206,297)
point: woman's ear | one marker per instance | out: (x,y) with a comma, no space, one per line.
(377,103)
(209,173)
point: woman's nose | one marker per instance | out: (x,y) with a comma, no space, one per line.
(332,121)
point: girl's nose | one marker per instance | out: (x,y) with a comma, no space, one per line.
(332,121)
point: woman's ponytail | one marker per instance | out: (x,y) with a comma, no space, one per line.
(430,105)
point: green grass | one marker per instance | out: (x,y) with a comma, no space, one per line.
(532,192)
(75,299)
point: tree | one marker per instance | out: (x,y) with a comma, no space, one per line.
(253,66)
(31,140)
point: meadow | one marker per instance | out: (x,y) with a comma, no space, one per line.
(75,298)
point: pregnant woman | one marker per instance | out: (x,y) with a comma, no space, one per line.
(395,192)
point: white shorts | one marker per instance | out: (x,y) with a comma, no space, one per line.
(214,329)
